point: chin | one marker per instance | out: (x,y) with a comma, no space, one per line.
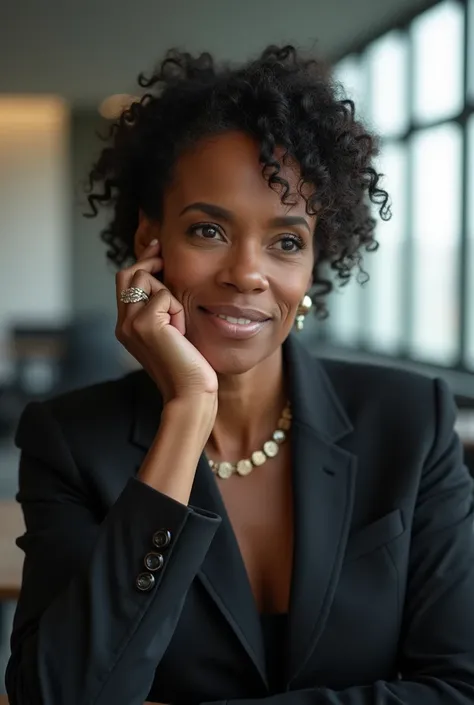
(230,359)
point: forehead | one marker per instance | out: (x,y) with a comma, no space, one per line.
(226,170)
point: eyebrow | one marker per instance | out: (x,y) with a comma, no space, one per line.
(224,214)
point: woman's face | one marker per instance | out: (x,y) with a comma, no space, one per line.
(230,247)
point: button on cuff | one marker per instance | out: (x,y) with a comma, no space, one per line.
(162,538)
(145,582)
(154,561)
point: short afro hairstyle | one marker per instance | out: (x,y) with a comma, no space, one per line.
(283,100)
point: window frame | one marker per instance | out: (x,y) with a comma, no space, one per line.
(323,332)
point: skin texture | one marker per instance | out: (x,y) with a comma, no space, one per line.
(240,246)
(244,259)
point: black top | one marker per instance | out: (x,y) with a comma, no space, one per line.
(383,572)
(274,628)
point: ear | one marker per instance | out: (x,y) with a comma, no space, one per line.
(147,230)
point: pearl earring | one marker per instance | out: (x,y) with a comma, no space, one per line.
(302,311)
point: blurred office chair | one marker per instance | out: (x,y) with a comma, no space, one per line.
(36,352)
(92,353)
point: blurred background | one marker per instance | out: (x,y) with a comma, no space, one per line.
(409,66)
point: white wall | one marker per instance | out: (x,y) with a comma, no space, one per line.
(93,278)
(35,214)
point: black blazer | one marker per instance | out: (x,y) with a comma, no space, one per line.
(382,599)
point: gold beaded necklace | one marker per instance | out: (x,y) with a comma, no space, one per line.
(270,449)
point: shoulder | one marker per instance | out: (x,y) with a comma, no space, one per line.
(109,397)
(389,394)
(402,413)
(85,415)
(366,379)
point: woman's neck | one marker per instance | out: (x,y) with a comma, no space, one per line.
(249,408)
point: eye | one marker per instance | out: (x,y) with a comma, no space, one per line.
(291,243)
(207,231)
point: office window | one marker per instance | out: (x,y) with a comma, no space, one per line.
(416,83)
(382,324)
(469,353)
(343,325)
(351,73)
(438,50)
(470,48)
(388,79)
(436,228)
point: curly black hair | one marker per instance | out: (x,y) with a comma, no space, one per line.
(281,99)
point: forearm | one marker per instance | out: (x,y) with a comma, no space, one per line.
(82,623)
(171,461)
(101,628)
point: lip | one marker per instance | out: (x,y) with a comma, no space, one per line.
(236,331)
(252,314)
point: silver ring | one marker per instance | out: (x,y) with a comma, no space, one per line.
(133,295)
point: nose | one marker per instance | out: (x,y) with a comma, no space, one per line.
(242,269)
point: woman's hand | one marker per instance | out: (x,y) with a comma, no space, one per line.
(153,332)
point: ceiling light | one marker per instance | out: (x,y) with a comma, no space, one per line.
(112,107)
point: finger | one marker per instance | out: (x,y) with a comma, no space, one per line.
(140,279)
(161,301)
(176,312)
(124,278)
(153,247)
(150,264)
(152,251)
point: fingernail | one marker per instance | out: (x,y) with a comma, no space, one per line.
(153,242)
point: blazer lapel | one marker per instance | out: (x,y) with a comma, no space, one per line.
(323,489)
(323,486)
(223,573)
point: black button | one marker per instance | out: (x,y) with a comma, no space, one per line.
(162,538)
(145,582)
(154,561)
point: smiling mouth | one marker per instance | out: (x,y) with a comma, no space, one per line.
(236,327)
(236,315)
(231,319)
(236,320)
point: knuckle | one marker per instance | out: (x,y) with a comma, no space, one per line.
(139,274)
(137,326)
(161,296)
(127,328)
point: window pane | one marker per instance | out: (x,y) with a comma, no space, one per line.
(470,68)
(343,324)
(470,244)
(383,329)
(438,40)
(436,233)
(387,62)
(351,72)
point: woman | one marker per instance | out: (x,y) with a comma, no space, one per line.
(239,522)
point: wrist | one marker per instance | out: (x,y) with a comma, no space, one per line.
(171,461)
(193,407)
(194,415)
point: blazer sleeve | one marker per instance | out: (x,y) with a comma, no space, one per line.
(82,626)
(436,649)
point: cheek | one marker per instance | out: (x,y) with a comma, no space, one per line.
(184,272)
(179,282)
(290,290)
(176,265)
